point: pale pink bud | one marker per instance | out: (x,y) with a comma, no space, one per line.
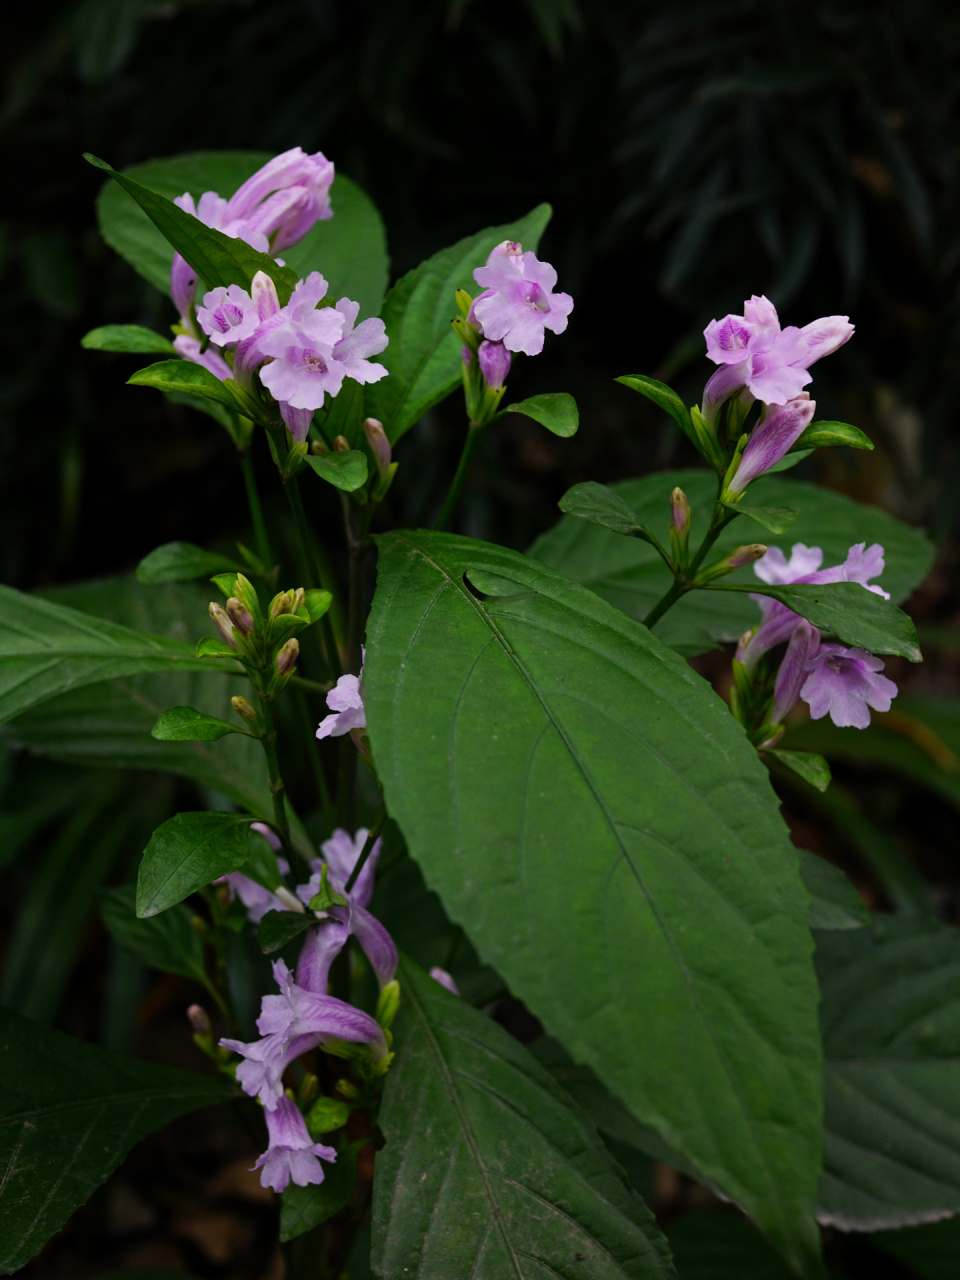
(379,444)
(240,615)
(494,361)
(199,1020)
(288,655)
(223,624)
(680,512)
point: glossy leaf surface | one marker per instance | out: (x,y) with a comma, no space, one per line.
(185,724)
(554,410)
(853,614)
(188,851)
(488,1169)
(554,769)
(69,1113)
(132,338)
(424,357)
(346,471)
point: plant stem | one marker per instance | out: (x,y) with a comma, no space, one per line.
(365,852)
(256,510)
(678,588)
(292,490)
(682,584)
(463,466)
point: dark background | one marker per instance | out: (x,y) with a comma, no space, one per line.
(694,153)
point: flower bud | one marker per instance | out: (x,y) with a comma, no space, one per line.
(288,655)
(341,444)
(298,598)
(199,1020)
(494,361)
(240,615)
(243,709)
(223,624)
(379,444)
(735,560)
(680,512)
(282,602)
(388,1004)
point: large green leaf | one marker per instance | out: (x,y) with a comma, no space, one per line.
(110,723)
(69,1113)
(630,574)
(187,852)
(489,1169)
(589,811)
(424,355)
(891,1034)
(349,248)
(167,942)
(46,649)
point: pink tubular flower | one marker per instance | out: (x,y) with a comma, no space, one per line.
(340,855)
(287,196)
(346,703)
(772,438)
(771,363)
(843,683)
(292,1155)
(494,361)
(369,338)
(188,348)
(228,315)
(793,669)
(518,301)
(297,421)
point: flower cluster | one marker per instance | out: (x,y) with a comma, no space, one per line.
(759,360)
(303,1016)
(833,680)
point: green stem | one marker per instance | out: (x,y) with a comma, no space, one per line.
(292,490)
(463,466)
(256,510)
(682,584)
(365,852)
(678,588)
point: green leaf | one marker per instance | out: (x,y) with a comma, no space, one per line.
(46,649)
(187,852)
(534,738)
(69,1113)
(931,1251)
(126,337)
(834,901)
(773,519)
(303,1208)
(665,398)
(600,505)
(326,1115)
(806,764)
(167,942)
(277,928)
(184,377)
(423,357)
(347,471)
(349,248)
(631,575)
(821,435)
(181,561)
(891,1032)
(220,260)
(555,410)
(184,724)
(488,1169)
(788,461)
(849,611)
(708,1245)
(109,723)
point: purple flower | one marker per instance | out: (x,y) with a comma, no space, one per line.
(518,301)
(287,196)
(228,315)
(188,348)
(441,976)
(773,364)
(292,1155)
(494,361)
(345,700)
(772,438)
(297,421)
(213,211)
(290,1024)
(844,683)
(369,338)
(793,669)
(340,855)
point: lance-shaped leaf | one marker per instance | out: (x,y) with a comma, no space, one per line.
(132,338)
(849,611)
(821,435)
(489,1169)
(277,928)
(805,764)
(181,561)
(349,248)
(891,1034)
(167,942)
(424,355)
(665,398)
(69,1113)
(631,575)
(187,852)
(182,377)
(773,519)
(601,505)
(555,410)
(46,649)
(217,258)
(186,724)
(587,808)
(346,471)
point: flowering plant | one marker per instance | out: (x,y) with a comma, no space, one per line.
(520,735)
